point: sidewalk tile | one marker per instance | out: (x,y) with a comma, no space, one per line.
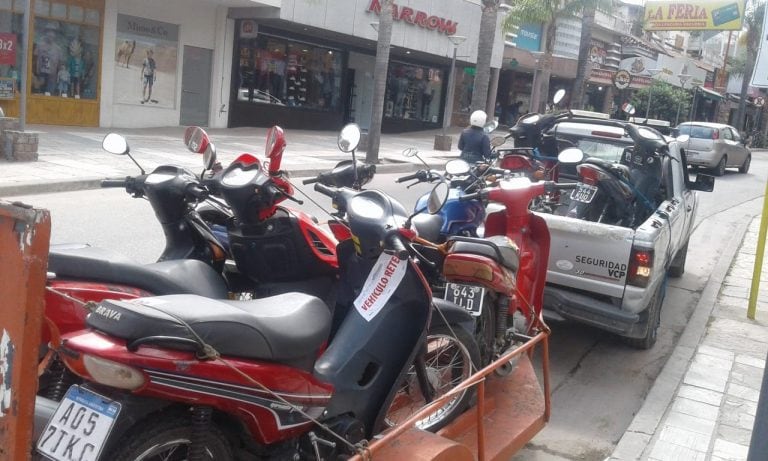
(743,392)
(685,438)
(701,376)
(741,405)
(697,409)
(734,434)
(735,414)
(730,451)
(691,423)
(666,451)
(748,376)
(714,352)
(700,395)
(713,362)
(751,361)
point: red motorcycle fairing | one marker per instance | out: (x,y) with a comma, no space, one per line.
(322,243)
(181,377)
(68,314)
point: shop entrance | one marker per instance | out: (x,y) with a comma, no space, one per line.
(196,86)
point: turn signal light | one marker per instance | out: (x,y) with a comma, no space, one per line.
(640,266)
(590,175)
(113,374)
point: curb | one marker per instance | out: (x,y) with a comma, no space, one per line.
(88,183)
(642,429)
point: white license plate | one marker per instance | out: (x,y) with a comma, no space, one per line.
(584,193)
(80,426)
(470,297)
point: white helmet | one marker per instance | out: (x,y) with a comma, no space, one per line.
(478,118)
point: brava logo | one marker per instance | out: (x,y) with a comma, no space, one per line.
(110,314)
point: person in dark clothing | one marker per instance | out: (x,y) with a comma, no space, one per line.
(474,144)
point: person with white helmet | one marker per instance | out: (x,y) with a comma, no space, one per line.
(474,144)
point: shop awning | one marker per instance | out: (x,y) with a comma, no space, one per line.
(709,94)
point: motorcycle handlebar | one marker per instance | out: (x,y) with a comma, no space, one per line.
(409,177)
(393,241)
(114,182)
(468,197)
(311,180)
(197,192)
(325,190)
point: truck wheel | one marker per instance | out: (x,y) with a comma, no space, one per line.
(745,166)
(677,268)
(652,321)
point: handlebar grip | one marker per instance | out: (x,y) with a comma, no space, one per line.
(468,197)
(197,192)
(494,170)
(408,177)
(310,180)
(114,182)
(325,190)
(393,242)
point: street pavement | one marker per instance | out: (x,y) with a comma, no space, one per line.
(701,407)
(71,158)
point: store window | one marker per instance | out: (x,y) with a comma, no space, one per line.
(11,40)
(283,72)
(413,93)
(65,50)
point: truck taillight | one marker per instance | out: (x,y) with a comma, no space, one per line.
(590,175)
(640,265)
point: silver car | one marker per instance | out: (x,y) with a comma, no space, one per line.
(716,146)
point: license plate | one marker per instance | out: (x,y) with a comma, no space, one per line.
(584,193)
(80,426)
(470,297)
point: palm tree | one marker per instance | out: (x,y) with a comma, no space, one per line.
(584,64)
(753,20)
(485,41)
(379,80)
(545,12)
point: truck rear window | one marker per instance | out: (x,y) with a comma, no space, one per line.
(695,131)
(602,149)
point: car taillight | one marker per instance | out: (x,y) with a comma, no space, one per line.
(590,175)
(113,374)
(640,265)
(715,134)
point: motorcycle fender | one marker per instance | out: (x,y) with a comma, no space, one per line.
(453,314)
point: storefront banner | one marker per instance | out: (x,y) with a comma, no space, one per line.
(529,37)
(422,19)
(694,15)
(760,74)
(597,52)
(666,68)
(601,76)
(146,62)
(639,82)
(8,49)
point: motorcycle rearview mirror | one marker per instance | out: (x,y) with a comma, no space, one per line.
(457,167)
(209,157)
(438,197)
(117,144)
(196,139)
(349,137)
(559,95)
(410,152)
(530,119)
(490,126)
(498,141)
(571,155)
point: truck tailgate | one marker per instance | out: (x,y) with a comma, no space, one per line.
(588,256)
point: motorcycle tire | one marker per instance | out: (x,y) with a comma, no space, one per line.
(443,341)
(154,436)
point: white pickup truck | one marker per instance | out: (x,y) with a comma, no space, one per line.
(615,277)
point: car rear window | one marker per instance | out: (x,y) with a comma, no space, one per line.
(695,131)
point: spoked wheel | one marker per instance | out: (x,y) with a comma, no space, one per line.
(168,439)
(451,357)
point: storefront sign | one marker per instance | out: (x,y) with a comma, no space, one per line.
(639,82)
(622,79)
(597,52)
(601,76)
(417,18)
(7,87)
(529,37)
(8,49)
(694,15)
(248,29)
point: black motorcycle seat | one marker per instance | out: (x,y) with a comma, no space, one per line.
(184,276)
(279,328)
(428,226)
(510,254)
(616,169)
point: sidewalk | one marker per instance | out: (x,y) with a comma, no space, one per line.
(71,158)
(702,405)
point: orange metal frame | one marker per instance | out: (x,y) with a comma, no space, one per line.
(515,404)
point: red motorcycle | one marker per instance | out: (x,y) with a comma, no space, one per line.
(191,262)
(208,379)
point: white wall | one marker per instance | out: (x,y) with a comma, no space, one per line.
(198,21)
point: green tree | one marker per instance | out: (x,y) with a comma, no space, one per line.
(668,102)
(753,21)
(545,12)
(488,18)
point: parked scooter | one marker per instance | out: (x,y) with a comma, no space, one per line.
(258,378)
(190,263)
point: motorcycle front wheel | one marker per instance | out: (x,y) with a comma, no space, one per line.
(168,439)
(451,357)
